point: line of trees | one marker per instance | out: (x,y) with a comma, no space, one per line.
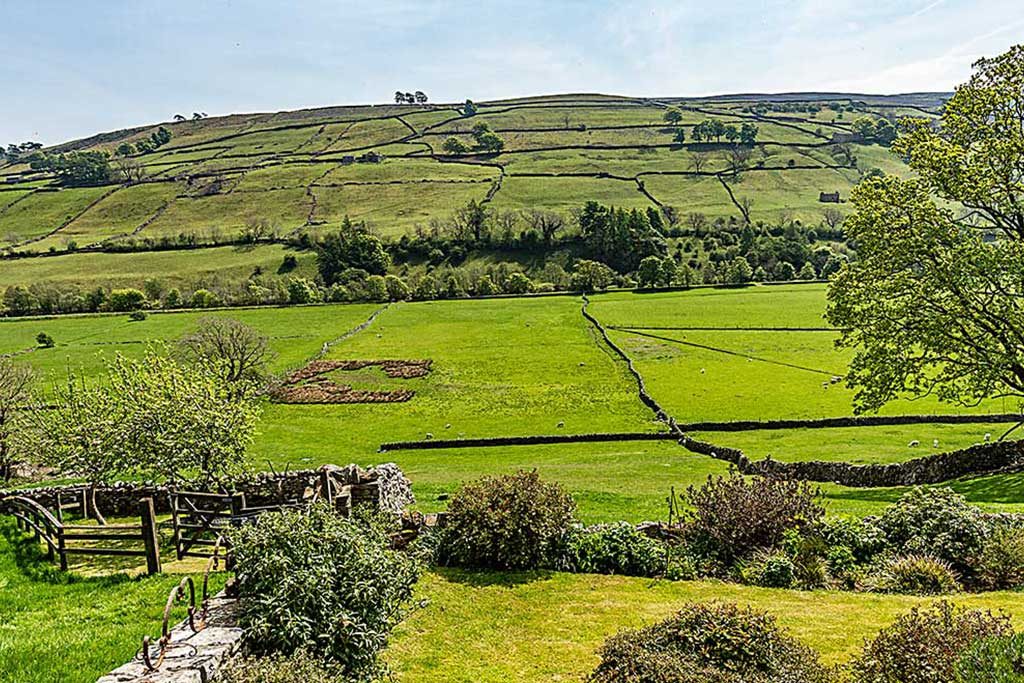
(418,97)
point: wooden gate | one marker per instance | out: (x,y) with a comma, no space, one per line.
(199,519)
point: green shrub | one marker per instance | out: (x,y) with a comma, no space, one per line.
(44,340)
(137,316)
(313,579)
(861,537)
(613,549)
(125,300)
(993,660)
(937,522)
(924,645)
(703,642)
(300,667)
(1001,562)
(734,516)
(914,575)
(510,522)
(769,569)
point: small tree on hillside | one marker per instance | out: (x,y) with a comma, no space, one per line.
(15,392)
(673,116)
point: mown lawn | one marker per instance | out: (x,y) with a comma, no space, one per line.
(504,628)
(66,628)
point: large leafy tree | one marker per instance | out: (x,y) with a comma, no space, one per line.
(15,388)
(935,303)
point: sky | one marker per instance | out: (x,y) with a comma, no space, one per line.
(71,68)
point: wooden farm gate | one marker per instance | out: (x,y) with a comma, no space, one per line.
(63,539)
(200,518)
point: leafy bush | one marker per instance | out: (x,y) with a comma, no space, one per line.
(137,316)
(937,522)
(510,522)
(613,549)
(300,667)
(715,642)
(993,660)
(733,516)
(916,575)
(924,645)
(125,299)
(861,537)
(313,579)
(769,569)
(1001,562)
(44,340)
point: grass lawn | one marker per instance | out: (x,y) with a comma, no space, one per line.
(502,628)
(67,628)
(562,194)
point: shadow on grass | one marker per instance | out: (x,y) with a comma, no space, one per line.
(30,559)
(994,488)
(483,578)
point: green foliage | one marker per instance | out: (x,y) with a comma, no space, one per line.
(928,305)
(914,575)
(733,516)
(204,298)
(314,579)
(76,169)
(619,238)
(937,522)
(590,276)
(924,645)
(16,383)
(45,341)
(101,429)
(511,522)
(125,300)
(1001,562)
(613,549)
(350,248)
(302,666)
(993,660)
(716,642)
(769,569)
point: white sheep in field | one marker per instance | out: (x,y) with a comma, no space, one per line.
(824,385)
(429,436)
(448,426)
(702,371)
(560,424)
(836,379)
(935,443)
(914,444)
(988,437)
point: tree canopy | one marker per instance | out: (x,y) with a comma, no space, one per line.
(933,305)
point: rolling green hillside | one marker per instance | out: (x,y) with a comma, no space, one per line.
(286,173)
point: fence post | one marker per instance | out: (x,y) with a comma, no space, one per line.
(326,490)
(60,509)
(237,506)
(149,537)
(62,555)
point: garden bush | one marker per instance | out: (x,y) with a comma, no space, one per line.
(769,569)
(734,516)
(314,579)
(915,575)
(613,549)
(993,660)
(1001,562)
(937,522)
(708,642)
(924,645)
(515,521)
(300,667)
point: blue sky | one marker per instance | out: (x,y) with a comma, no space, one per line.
(75,67)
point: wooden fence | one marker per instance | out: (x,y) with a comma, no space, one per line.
(63,539)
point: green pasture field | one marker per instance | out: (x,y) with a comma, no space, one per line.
(175,268)
(562,194)
(44,212)
(512,367)
(117,215)
(792,192)
(229,213)
(620,162)
(692,194)
(394,209)
(393,169)
(282,176)
(506,627)
(365,134)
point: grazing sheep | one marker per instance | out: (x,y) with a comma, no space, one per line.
(914,444)
(560,424)
(988,437)
(429,436)
(702,371)
(582,364)
(448,426)
(824,385)
(836,379)
(935,443)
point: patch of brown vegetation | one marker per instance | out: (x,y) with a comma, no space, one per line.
(308,384)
